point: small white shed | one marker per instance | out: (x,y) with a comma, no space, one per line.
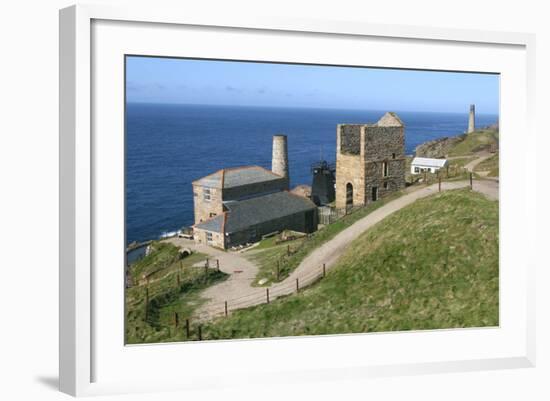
(421,164)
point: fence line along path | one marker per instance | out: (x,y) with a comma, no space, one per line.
(313,267)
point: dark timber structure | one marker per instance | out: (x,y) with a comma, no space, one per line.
(322,187)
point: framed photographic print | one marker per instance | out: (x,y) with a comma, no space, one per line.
(242,193)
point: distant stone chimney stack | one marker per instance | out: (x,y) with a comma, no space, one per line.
(279,160)
(472,120)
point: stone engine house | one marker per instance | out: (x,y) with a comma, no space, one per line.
(370,161)
(238,205)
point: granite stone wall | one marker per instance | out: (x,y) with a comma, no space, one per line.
(200,237)
(350,170)
(382,142)
(350,139)
(203,208)
(378,145)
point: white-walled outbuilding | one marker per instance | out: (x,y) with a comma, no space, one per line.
(422,164)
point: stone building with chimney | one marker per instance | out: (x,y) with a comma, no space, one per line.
(370,161)
(239,205)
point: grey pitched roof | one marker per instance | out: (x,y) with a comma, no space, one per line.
(237,176)
(260,209)
(246,213)
(215,224)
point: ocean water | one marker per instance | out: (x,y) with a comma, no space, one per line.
(169,146)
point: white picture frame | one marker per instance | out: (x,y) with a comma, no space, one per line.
(80,215)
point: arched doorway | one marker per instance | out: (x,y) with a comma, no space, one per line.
(349,195)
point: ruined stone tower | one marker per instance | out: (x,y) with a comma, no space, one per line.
(279,159)
(472,119)
(370,160)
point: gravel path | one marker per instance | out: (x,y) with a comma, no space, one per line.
(329,252)
(242,272)
(481,157)
(239,293)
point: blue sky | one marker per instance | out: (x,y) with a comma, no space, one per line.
(166,80)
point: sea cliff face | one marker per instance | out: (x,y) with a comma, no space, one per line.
(438,148)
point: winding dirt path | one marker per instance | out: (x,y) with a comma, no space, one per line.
(239,293)
(330,251)
(241,271)
(481,157)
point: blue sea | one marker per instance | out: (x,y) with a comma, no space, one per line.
(169,146)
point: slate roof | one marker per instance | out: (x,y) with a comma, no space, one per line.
(246,213)
(215,224)
(428,162)
(236,177)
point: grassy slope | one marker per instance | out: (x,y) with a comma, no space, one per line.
(162,256)
(490,164)
(432,265)
(267,254)
(165,295)
(474,142)
(461,162)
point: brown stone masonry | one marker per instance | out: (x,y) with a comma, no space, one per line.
(370,161)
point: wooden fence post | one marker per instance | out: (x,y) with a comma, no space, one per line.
(447,170)
(176,320)
(439,178)
(471,181)
(225,308)
(187,331)
(278,270)
(297,286)
(267,294)
(200,332)
(178,279)
(218,264)
(324,271)
(288,250)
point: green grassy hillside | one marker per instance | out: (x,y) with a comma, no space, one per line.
(489,165)
(434,264)
(475,142)
(269,256)
(174,287)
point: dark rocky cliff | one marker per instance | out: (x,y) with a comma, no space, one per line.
(439,147)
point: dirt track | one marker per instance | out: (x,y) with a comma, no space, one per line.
(239,293)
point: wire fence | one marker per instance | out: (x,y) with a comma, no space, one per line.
(293,284)
(262,295)
(257,296)
(195,327)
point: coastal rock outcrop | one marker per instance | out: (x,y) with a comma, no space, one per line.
(439,147)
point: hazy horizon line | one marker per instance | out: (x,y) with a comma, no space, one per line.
(466,111)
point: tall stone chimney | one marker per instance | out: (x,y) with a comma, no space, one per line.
(279,159)
(472,119)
